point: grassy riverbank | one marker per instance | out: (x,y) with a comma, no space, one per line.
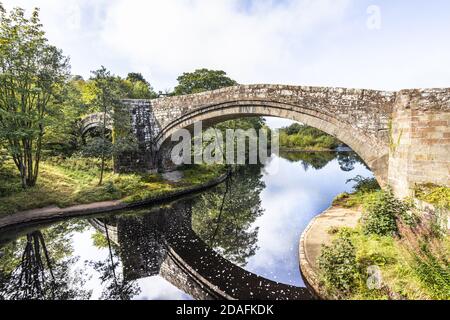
(299,137)
(394,253)
(75,181)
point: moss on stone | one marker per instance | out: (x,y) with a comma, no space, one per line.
(433,194)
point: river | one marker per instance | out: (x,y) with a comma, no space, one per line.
(237,240)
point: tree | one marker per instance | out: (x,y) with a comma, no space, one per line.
(40,265)
(105,94)
(136,77)
(116,286)
(32,73)
(223,217)
(202,80)
(63,136)
(136,87)
(105,98)
(293,128)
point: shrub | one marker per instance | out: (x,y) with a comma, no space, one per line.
(364,184)
(381,213)
(338,265)
(436,195)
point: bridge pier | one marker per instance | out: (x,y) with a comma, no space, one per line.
(419,140)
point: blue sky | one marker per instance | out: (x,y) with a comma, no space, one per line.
(301,42)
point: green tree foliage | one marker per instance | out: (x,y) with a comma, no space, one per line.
(136,77)
(136,87)
(116,287)
(315,160)
(205,80)
(293,129)
(202,80)
(318,160)
(38,266)
(364,185)
(32,77)
(63,136)
(105,97)
(298,136)
(223,216)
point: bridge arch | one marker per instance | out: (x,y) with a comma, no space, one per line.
(94,121)
(358,118)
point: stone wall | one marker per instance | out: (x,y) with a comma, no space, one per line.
(145,127)
(420,140)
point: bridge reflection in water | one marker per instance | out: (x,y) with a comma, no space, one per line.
(163,242)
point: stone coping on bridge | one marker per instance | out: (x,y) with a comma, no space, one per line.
(51,213)
(317,234)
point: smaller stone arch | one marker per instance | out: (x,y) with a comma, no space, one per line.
(93,121)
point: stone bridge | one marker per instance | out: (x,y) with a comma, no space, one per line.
(403,136)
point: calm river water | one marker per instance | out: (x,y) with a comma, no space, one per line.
(239,239)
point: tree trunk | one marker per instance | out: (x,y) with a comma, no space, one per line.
(102,168)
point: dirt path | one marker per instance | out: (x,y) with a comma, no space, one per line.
(315,235)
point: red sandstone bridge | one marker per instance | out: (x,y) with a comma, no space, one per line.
(404,136)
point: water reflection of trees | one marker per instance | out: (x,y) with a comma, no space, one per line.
(39,266)
(318,160)
(115,286)
(223,216)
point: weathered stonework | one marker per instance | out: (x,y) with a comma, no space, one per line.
(145,127)
(369,121)
(420,140)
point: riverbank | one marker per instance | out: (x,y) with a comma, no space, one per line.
(413,264)
(315,236)
(54,212)
(75,185)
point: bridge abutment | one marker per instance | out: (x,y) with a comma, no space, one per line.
(419,140)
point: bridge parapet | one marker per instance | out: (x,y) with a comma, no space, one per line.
(368,110)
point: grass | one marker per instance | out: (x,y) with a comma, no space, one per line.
(404,275)
(75,181)
(413,264)
(364,191)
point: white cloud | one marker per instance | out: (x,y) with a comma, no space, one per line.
(304,42)
(170,37)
